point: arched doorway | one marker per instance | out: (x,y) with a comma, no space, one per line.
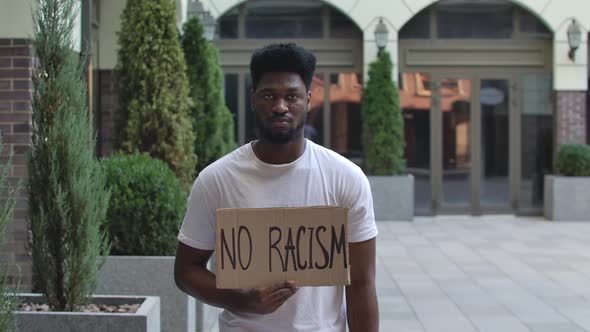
(334,120)
(476,91)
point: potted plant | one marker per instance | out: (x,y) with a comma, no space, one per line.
(567,193)
(68,197)
(146,208)
(383,140)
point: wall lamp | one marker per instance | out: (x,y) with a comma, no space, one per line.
(574,38)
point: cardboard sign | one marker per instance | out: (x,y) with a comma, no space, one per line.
(259,247)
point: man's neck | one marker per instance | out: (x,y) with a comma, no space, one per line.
(272,153)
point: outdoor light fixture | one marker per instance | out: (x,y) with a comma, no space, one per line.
(207,21)
(574,38)
(381,34)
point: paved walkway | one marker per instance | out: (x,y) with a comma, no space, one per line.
(494,273)
(488,274)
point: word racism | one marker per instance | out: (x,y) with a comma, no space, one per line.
(297,248)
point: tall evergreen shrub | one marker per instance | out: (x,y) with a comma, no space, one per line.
(8,301)
(383,126)
(212,120)
(152,87)
(67,194)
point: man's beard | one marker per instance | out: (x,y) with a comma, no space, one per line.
(279,137)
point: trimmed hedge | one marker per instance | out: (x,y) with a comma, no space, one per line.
(383,124)
(573,160)
(212,121)
(147,205)
(152,88)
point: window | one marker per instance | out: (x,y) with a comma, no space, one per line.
(303,20)
(343,27)
(474,21)
(228,25)
(418,27)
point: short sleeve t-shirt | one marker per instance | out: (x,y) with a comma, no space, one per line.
(318,177)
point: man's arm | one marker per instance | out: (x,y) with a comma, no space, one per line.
(193,277)
(361,297)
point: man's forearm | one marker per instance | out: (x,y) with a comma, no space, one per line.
(200,284)
(362,309)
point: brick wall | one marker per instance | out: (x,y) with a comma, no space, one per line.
(571,117)
(15,129)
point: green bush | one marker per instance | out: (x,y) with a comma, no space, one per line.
(152,88)
(68,198)
(147,205)
(573,160)
(212,120)
(383,124)
(8,301)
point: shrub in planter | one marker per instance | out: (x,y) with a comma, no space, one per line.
(152,88)
(68,198)
(8,301)
(573,160)
(383,125)
(147,205)
(212,121)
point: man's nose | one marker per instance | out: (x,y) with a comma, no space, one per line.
(280,106)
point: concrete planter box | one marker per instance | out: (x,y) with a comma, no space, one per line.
(393,197)
(146,319)
(567,198)
(150,275)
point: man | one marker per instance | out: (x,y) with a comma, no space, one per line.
(282,169)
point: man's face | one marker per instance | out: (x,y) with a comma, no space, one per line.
(281,103)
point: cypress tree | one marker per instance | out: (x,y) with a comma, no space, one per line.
(212,120)
(8,301)
(67,194)
(152,87)
(383,126)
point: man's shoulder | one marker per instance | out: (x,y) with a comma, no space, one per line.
(225,164)
(334,161)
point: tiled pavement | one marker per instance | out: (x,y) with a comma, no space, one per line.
(491,273)
(483,274)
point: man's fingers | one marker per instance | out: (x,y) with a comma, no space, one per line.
(275,287)
(280,294)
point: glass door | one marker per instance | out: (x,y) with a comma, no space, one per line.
(496,154)
(452,139)
(472,159)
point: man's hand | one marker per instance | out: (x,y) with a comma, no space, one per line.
(266,300)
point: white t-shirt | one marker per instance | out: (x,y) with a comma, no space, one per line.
(318,177)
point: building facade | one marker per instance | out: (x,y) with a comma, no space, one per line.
(489,88)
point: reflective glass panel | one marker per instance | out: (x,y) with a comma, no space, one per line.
(474,21)
(314,127)
(536,139)
(456,132)
(227,25)
(416,105)
(494,101)
(281,19)
(343,27)
(418,27)
(231,99)
(345,104)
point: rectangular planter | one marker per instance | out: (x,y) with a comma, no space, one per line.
(567,198)
(150,275)
(393,197)
(146,319)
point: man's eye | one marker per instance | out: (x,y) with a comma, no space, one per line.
(267,96)
(292,97)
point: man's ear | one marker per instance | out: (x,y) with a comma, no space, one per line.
(252,98)
(309,100)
